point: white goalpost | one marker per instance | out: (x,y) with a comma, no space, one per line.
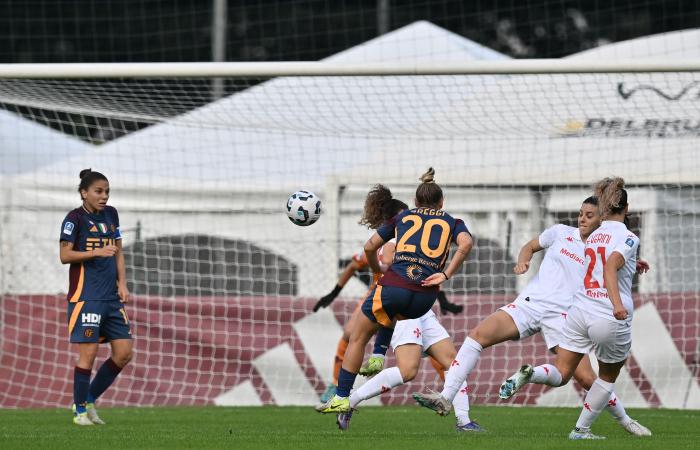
(223,284)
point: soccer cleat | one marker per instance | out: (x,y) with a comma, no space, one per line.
(343,419)
(471,427)
(328,393)
(579,433)
(81,419)
(635,428)
(433,400)
(92,415)
(515,382)
(373,366)
(335,405)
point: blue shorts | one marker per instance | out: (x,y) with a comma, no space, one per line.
(97,321)
(386,303)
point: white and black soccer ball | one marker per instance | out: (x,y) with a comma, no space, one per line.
(303,208)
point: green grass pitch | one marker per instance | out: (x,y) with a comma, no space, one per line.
(372,427)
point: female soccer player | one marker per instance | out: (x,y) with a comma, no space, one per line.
(410,286)
(541,306)
(91,244)
(601,314)
(379,207)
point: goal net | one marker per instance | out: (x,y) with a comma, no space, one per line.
(223,283)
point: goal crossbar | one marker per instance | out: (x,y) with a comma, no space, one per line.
(316,68)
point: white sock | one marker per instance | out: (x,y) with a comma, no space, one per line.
(546,374)
(464,363)
(461,405)
(596,399)
(615,408)
(382,382)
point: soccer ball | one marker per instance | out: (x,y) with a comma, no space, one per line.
(303,208)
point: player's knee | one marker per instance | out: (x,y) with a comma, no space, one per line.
(480,336)
(585,380)
(123,358)
(408,372)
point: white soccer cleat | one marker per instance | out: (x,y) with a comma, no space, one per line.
(82,419)
(433,400)
(92,415)
(580,434)
(635,428)
(515,382)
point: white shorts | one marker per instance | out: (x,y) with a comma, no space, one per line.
(611,339)
(424,331)
(531,318)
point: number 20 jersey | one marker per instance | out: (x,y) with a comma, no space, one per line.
(423,239)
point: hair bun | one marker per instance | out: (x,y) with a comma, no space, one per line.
(84,172)
(429,176)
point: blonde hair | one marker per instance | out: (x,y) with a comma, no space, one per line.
(611,194)
(428,193)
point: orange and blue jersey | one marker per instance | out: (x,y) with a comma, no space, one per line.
(423,239)
(95,279)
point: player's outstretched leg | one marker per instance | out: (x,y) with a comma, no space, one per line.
(515,382)
(433,400)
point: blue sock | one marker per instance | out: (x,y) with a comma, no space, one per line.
(345,382)
(382,341)
(104,379)
(81,385)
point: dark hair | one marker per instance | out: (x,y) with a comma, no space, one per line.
(612,196)
(87,177)
(380,206)
(428,193)
(591,201)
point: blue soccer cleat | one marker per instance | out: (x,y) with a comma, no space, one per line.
(515,382)
(329,393)
(343,419)
(471,427)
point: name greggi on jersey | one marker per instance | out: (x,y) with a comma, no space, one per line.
(429,211)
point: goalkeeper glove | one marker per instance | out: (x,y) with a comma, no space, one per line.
(447,306)
(328,298)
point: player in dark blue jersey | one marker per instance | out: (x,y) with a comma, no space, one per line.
(411,285)
(91,243)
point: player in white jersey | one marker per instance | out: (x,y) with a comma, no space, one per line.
(541,307)
(600,317)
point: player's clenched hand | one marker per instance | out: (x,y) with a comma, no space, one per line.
(619,312)
(434,279)
(107,251)
(642,266)
(123,292)
(521,267)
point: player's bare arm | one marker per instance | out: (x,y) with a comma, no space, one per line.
(525,256)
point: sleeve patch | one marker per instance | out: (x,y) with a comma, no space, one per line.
(68,228)
(630,242)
